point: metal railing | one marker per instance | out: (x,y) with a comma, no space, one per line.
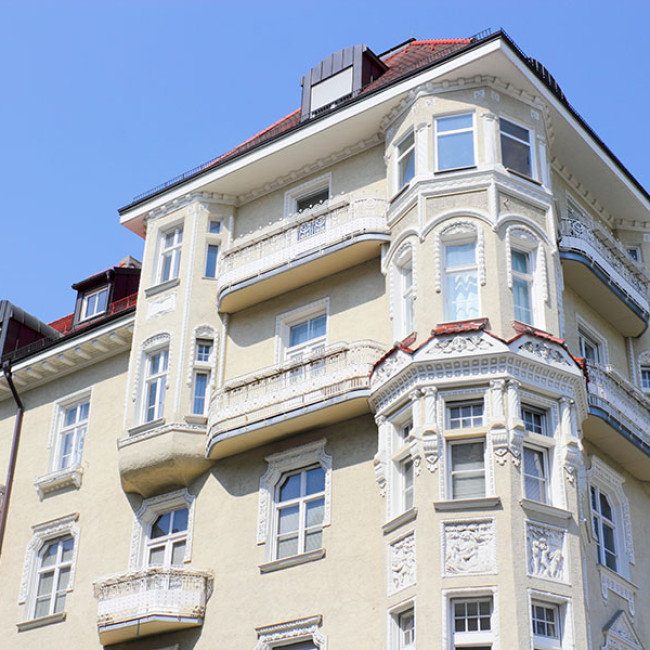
(339,219)
(292,385)
(165,591)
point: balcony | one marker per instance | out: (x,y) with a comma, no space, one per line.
(619,419)
(151,601)
(301,249)
(327,387)
(598,269)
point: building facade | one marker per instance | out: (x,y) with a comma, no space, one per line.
(381,381)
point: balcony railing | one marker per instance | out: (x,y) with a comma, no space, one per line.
(293,385)
(611,393)
(581,234)
(336,221)
(163,598)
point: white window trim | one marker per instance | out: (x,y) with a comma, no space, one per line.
(398,186)
(203,331)
(565,610)
(148,512)
(545,451)
(522,238)
(42,534)
(216,263)
(83,315)
(468,593)
(275,636)
(393,630)
(611,483)
(404,257)
(436,162)
(284,322)
(400,453)
(160,251)
(153,343)
(643,361)
(290,460)
(312,186)
(596,336)
(534,172)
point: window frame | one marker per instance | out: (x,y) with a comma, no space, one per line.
(167,542)
(451,473)
(586,334)
(634,253)
(644,368)
(532,171)
(546,469)
(61,409)
(405,281)
(544,641)
(87,295)
(599,522)
(450,308)
(477,638)
(526,279)
(395,614)
(437,134)
(304,190)
(402,454)
(284,323)
(563,608)
(172,252)
(150,379)
(211,262)
(401,180)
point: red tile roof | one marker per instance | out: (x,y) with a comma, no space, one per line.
(412,56)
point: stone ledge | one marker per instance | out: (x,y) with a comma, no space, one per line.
(481,503)
(400,520)
(40,622)
(163,286)
(294,560)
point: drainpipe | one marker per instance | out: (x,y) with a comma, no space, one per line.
(14,452)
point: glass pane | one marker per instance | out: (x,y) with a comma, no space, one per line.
(315,480)
(534,463)
(101,301)
(48,556)
(68,547)
(516,155)
(468,487)
(83,410)
(290,489)
(454,122)
(468,456)
(45,583)
(214,227)
(200,390)
(287,547)
(180,520)
(70,416)
(521,295)
(318,326)
(520,261)
(160,527)
(59,603)
(313,541)
(407,168)
(299,334)
(157,556)
(64,578)
(305,202)
(42,608)
(178,553)
(288,519)
(314,513)
(462,295)
(605,507)
(514,130)
(461,254)
(455,150)
(211,262)
(66,450)
(535,489)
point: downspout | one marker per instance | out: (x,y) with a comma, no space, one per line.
(14,452)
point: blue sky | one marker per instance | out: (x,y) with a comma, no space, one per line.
(102,100)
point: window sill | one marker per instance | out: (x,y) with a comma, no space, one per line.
(141,428)
(196,419)
(294,560)
(402,190)
(402,519)
(524,176)
(209,277)
(163,286)
(69,478)
(480,503)
(454,169)
(40,622)
(545,513)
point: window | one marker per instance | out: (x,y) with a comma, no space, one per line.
(405,161)
(545,620)
(516,153)
(534,420)
(155,384)
(53,575)
(590,348)
(72,432)
(535,474)
(403,487)
(463,415)
(455,141)
(405,632)
(202,374)
(306,336)
(472,623)
(300,501)
(467,469)
(167,539)
(604,529)
(522,284)
(461,285)
(645,377)
(634,253)
(94,303)
(211,261)
(214,226)
(170,254)
(406,296)
(312,199)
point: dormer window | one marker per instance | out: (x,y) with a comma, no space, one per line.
(94,303)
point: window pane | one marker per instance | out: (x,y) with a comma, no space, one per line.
(315,480)
(290,489)
(178,553)
(287,547)
(407,168)
(317,326)
(288,519)
(161,526)
(157,556)
(214,227)
(461,254)
(200,391)
(64,578)
(211,261)
(310,200)
(59,603)
(455,150)
(298,334)
(521,294)
(42,608)
(516,155)
(314,513)
(605,507)
(467,456)
(520,261)
(48,556)
(454,122)
(462,295)
(67,546)
(45,583)
(514,130)
(180,520)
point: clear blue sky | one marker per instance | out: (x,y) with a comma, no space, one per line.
(101,100)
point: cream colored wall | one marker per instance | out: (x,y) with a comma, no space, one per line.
(104,516)
(358,310)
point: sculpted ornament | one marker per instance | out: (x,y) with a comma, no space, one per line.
(544,351)
(620,634)
(469,547)
(459,344)
(545,552)
(388,368)
(402,563)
